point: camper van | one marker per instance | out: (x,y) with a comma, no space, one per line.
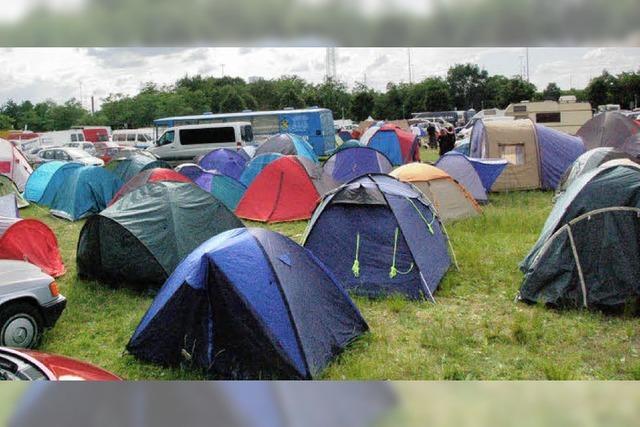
(184,143)
(566,115)
(61,137)
(139,138)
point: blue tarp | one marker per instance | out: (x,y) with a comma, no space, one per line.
(212,303)
(87,190)
(225,161)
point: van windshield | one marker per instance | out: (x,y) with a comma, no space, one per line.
(166,138)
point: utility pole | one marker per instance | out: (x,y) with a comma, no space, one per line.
(330,64)
(528,80)
(222,66)
(409,64)
(93,106)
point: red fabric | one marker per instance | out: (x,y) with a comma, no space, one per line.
(151,175)
(32,241)
(408,143)
(281,192)
(5,167)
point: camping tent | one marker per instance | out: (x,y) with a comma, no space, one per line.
(589,161)
(289,145)
(9,206)
(46,180)
(451,200)
(149,175)
(127,168)
(255,166)
(223,187)
(345,135)
(611,129)
(460,168)
(272,308)
(488,170)
(286,190)
(350,163)
(225,161)
(87,190)
(537,155)
(380,236)
(32,241)
(140,239)
(9,187)
(588,253)
(13,164)
(204,403)
(400,146)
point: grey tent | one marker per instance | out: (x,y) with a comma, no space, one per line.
(611,129)
(588,254)
(228,404)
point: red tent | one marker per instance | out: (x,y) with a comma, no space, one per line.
(32,241)
(149,175)
(288,189)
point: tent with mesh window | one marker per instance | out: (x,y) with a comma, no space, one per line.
(140,239)
(249,303)
(588,253)
(380,236)
(537,155)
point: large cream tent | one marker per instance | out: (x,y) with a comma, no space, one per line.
(451,200)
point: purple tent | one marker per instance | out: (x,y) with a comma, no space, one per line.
(558,151)
(350,163)
(461,168)
(488,170)
(224,188)
(226,161)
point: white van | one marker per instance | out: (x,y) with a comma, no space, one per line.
(184,143)
(61,137)
(139,138)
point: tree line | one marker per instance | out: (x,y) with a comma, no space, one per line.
(465,86)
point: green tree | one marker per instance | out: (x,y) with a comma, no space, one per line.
(517,89)
(231,101)
(467,84)
(601,89)
(6,122)
(552,92)
(362,102)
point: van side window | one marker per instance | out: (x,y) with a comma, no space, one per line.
(131,137)
(81,137)
(207,136)
(74,137)
(166,138)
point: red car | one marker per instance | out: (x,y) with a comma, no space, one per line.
(30,365)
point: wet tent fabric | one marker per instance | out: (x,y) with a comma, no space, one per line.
(32,241)
(249,303)
(224,188)
(46,180)
(125,169)
(461,169)
(558,151)
(589,161)
(146,176)
(488,170)
(588,254)
(380,237)
(288,144)
(13,164)
(85,191)
(348,164)
(9,206)
(225,161)
(8,187)
(139,240)
(256,165)
(232,403)
(398,145)
(610,129)
(288,189)
(451,200)
(348,144)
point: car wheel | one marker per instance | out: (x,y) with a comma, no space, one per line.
(21,325)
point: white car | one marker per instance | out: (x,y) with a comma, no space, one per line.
(29,302)
(84,146)
(67,154)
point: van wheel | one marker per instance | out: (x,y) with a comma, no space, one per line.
(21,325)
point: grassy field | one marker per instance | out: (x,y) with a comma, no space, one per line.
(474,331)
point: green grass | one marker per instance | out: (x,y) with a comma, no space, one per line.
(475,331)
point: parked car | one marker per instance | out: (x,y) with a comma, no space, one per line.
(184,143)
(36,366)
(67,154)
(29,302)
(85,146)
(109,151)
(139,138)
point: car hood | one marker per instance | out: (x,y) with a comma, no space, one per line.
(13,272)
(67,369)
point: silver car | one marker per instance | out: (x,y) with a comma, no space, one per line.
(66,154)
(29,302)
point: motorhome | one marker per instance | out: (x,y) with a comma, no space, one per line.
(185,143)
(61,137)
(565,115)
(95,133)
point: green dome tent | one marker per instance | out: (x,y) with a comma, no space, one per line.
(7,186)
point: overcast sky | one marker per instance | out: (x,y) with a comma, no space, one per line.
(38,74)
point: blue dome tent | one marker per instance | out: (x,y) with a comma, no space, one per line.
(459,166)
(351,163)
(380,236)
(256,165)
(45,181)
(86,191)
(249,303)
(223,187)
(127,168)
(225,161)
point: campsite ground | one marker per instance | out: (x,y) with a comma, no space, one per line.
(474,331)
